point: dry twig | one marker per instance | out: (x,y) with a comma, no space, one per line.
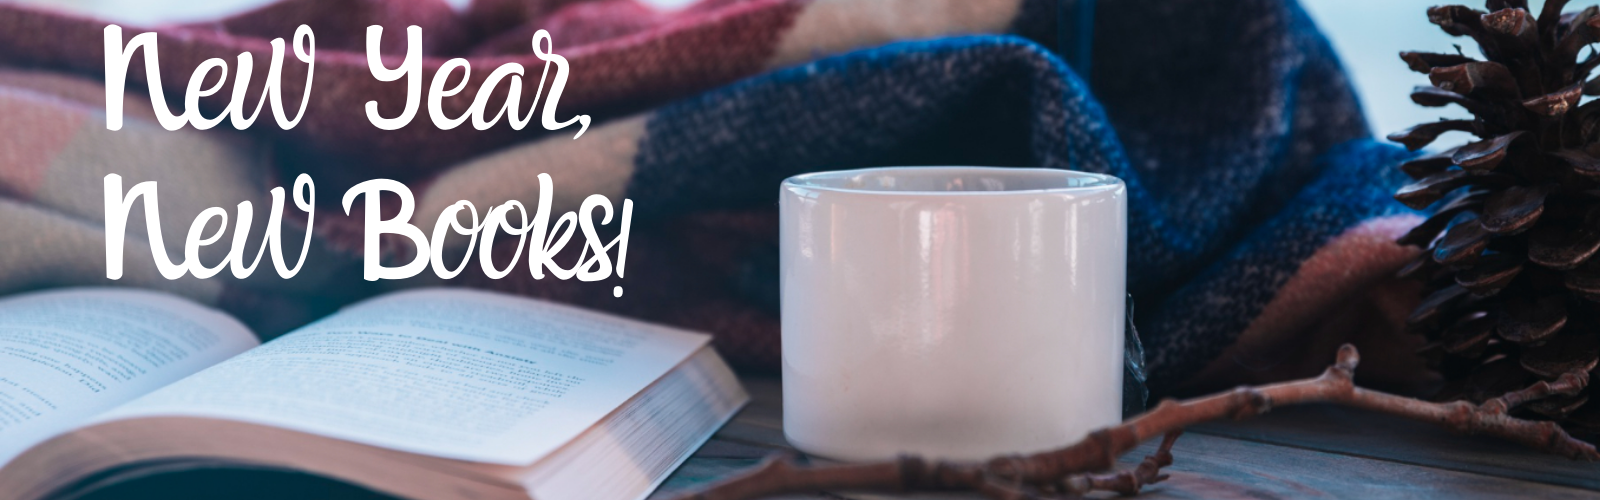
(1081,467)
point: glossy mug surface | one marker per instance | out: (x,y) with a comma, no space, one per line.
(952,312)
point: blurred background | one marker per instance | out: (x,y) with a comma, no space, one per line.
(1232,121)
(1366,33)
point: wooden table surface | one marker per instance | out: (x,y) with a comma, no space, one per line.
(1304,452)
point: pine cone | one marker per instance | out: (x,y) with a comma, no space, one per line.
(1513,293)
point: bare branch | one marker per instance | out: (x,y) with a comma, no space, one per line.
(1082,467)
(1569,384)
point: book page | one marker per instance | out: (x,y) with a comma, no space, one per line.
(457,374)
(68,355)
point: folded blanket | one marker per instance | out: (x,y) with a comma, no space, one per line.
(1260,220)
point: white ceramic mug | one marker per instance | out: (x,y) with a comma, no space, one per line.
(951,312)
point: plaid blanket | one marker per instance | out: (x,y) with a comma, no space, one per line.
(1260,226)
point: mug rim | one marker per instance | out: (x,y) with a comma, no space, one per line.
(1098,182)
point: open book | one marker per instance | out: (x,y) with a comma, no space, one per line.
(430,394)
